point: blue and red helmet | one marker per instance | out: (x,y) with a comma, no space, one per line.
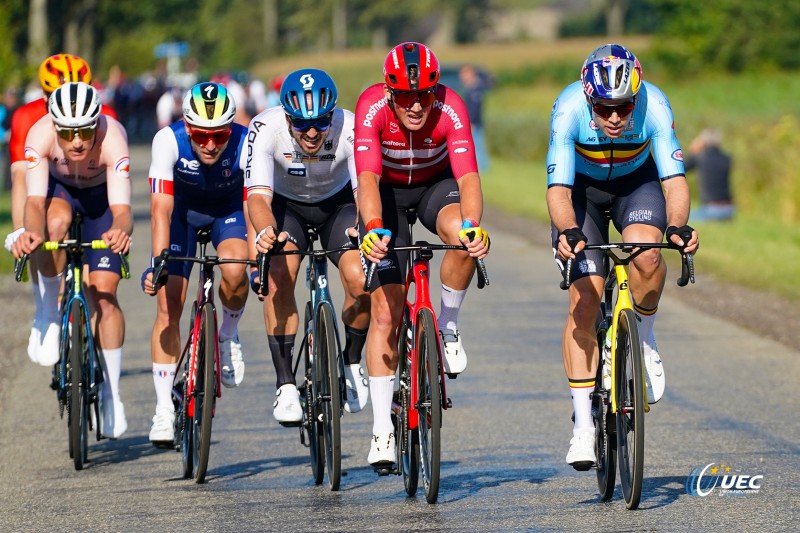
(611,72)
(308,93)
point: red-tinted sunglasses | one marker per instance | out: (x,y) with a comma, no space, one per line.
(202,137)
(407,99)
(605,111)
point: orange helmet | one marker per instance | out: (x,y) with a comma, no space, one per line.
(59,69)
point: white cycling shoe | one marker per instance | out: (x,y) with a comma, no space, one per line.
(162,432)
(655,380)
(232,362)
(357,388)
(382,451)
(112,418)
(454,356)
(44,343)
(287,409)
(581,450)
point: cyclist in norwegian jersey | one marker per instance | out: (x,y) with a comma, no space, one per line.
(53,73)
(78,162)
(612,151)
(300,174)
(196,182)
(414,149)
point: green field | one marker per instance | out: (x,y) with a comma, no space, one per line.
(758,114)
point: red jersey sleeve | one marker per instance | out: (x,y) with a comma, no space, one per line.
(370,119)
(458,132)
(21,121)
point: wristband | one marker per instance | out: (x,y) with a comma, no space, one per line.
(374,223)
(468,223)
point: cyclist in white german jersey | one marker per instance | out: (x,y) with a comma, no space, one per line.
(300,174)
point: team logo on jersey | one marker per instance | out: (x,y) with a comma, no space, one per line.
(226,173)
(123,167)
(105,262)
(460,150)
(301,172)
(190,164)
(32,157)
(327,145)
(677,155)
(393,127)
(362,148)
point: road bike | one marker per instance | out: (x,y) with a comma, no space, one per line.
(619,411)
(78,375)
(196,388)
(422,396)
(322,392)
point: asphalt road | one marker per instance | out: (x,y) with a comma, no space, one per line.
(731,399)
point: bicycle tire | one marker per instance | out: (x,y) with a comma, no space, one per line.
(205,392)
(327,356)
(183,424)
(630,408)
(429,402)
(78,413)
(605,445)
(312,424)
(406,439)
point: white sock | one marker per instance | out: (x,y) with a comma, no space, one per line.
(163,376)
(112,368)
(381,389)
(451,304)
(582,407)
(230,323)
(37,299)
(49,290)
(645,324)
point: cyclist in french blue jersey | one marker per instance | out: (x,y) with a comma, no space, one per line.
(613,157)
(300,173)
(196,182)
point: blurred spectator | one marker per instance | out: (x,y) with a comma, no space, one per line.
(273,95)
(713,170)
(238,94)
(7,108)
(168,108)
(256,97)
(475,84)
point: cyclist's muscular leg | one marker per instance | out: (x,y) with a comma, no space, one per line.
(233,286)
(648,271)
(579,344)
(355,311)
(165,342)
(280,307)
(386,308)
(457,266)
(59,218)
(110,322)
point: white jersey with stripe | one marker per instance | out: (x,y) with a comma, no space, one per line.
(274,163)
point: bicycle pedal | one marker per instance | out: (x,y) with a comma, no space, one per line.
(452,376)
(291,424)
(384,469)
(449,403)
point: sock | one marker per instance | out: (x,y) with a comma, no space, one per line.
(451,304)
(50,290)
(282,349)
(112,368)
(381,389)
(581,392)
(37,299)
(353,344)
(229,329)
(163,376)
(646,318)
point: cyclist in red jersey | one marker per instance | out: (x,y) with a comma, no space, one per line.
(413,149)
(53,73)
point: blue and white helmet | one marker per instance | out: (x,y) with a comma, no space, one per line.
(611,72)
(308,94)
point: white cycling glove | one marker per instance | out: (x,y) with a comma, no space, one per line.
(12,237)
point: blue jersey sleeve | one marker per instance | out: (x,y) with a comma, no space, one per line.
(564,126)
(660,123)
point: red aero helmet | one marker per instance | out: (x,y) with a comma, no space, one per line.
(411,67)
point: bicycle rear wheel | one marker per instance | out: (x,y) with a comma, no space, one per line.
(183,422)
(630,408)
(312,424)
(78,402)
(329,379)
(205,392)
(406,439)
(429,404)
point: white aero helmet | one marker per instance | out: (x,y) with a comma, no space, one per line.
(208,105)
(74,105)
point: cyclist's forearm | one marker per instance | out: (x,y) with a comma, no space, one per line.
(121,218)
(18,193)
(160,216)
(469,187)
(259,207)
(369,198)
(559,205)
(34,219)
(676,191)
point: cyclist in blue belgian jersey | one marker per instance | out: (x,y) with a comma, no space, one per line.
(613,157)
(196,182)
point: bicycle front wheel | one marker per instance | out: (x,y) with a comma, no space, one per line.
(630,408)
(429,402)
(78,401)
(205,390)
(329,378)
(406,439)
(311,409)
